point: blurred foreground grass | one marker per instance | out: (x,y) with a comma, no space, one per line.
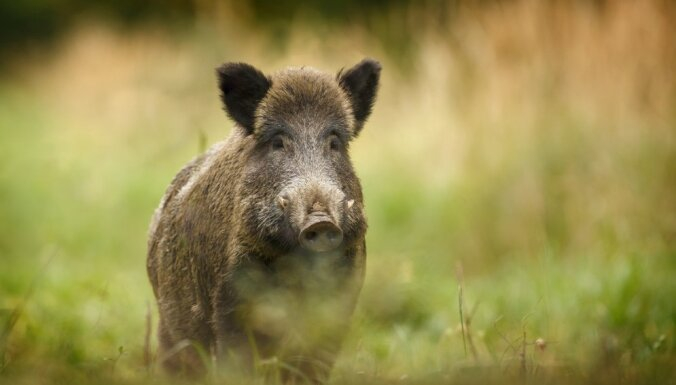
(527,154)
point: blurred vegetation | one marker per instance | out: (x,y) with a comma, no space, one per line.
(33,25)
(524,151)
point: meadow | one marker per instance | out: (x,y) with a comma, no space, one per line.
(519,173)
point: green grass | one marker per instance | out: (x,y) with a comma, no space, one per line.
(555,216)
(75,289)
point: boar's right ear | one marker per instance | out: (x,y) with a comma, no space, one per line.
(242,88)
(361,84)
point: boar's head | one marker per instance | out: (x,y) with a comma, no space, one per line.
(298,190)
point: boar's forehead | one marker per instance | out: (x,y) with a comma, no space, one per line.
(304,99)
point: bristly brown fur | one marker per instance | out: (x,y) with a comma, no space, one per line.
(222,253)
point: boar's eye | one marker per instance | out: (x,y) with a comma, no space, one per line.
(277,143)
(335,143)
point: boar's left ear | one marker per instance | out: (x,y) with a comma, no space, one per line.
(361,84)
(242,88)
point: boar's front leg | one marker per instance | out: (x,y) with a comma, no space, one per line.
(233,346)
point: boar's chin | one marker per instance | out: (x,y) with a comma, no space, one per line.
(297,299)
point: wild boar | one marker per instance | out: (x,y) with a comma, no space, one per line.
(257,248)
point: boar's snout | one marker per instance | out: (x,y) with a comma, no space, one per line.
(320,234)
(314,209)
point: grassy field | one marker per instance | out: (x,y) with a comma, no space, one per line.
(524,154)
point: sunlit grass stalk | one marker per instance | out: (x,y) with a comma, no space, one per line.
(462,319)
(522,355)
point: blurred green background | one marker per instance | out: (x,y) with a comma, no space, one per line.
(522,150)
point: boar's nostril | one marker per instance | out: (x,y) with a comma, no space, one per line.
(321,236)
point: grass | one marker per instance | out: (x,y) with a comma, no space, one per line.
(526,157)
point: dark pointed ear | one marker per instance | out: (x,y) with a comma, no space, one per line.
(361,84)
(242,89)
